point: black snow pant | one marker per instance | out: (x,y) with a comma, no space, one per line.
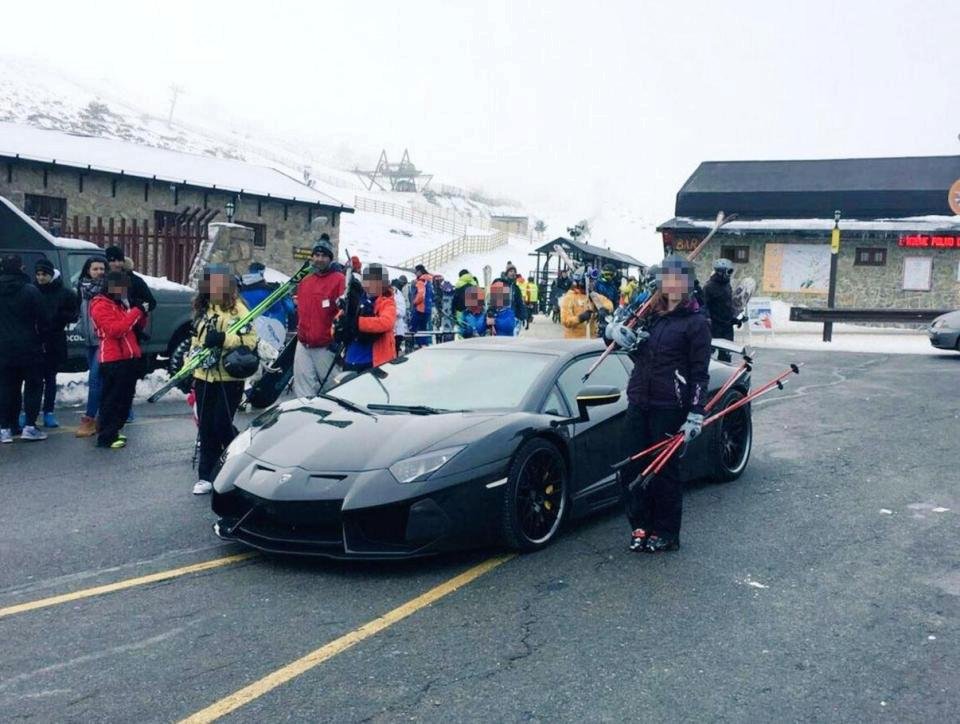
(722,331)
(20,385)
(658,508)
(119,383)
(217,403)
(51,362)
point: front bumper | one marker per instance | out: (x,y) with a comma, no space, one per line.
(343,516)
(944,338)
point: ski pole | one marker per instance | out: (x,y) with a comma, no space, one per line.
(738,373)
(674,443)
(655,297)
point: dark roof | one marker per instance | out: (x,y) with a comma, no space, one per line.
(861,188)
(589,250)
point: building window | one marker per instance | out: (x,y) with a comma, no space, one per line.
(870,256)
(917,273)
(48,211)
(259,232)
(736,254)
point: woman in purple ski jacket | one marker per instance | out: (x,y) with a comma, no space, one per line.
(666,394)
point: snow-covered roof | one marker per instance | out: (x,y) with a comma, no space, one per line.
(911,223)
(111,156)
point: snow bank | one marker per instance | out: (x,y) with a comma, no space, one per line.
(72,388)
(884,343)
(164,283)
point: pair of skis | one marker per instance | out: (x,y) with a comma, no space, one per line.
(655,297)
(205,352)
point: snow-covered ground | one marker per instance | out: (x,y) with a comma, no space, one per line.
(72,388)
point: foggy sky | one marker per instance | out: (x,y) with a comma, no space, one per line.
(564,104)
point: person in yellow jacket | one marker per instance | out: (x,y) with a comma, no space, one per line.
(531,297)
(216,307)
(578,312)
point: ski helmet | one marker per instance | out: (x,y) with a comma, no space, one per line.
(724,266)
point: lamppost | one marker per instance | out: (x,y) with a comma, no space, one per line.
(230,207)
(832,290)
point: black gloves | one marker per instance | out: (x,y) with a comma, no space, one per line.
(214,338)
(585,315)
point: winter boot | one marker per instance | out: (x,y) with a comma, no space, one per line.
(661,544)
(50,420)
(637,540)
(6,435)
(32,434)
(87,428)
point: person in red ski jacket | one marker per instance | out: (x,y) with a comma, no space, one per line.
(116,323)
(317,297)
(421,306)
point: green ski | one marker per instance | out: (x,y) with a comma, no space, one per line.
(275,296)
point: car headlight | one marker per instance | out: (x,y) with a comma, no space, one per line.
(240,443)
(937,324)
(420,467)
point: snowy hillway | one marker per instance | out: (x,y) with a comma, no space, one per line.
(36,95)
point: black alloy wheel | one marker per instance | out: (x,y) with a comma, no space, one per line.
(177,357)
(535,496)
(734,440)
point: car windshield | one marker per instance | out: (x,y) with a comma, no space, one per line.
(447,379)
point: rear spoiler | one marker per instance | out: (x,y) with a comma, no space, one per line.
(725,345)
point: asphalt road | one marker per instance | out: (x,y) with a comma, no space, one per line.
(823,585)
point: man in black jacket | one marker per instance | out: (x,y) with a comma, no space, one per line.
(60,308)
(718,296)
(21,324)
(509,280)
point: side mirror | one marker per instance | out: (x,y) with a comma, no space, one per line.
(592,396)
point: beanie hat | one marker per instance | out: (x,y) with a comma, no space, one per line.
(45,265)
(11,264)
(114,253)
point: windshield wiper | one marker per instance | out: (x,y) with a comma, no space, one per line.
(412,409)
(353,407)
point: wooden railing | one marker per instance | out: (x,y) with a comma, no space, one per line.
(467,244)
(445,221)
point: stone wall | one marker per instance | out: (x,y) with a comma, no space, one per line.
(877,287)
(288,225)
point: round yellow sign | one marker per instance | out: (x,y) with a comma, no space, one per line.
(953,197)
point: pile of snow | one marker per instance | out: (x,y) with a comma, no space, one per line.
(885,342)
(274,276)
(72,388)
(164,283)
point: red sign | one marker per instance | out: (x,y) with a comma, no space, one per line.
(918,241)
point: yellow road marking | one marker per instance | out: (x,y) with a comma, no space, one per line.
(121,585)
(328,651)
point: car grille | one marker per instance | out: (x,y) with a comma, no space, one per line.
(285,526)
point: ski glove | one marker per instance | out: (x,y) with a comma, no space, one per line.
(585,315)
(692,427)
(214,338)
(626,338)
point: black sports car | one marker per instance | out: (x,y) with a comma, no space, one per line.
(458,445)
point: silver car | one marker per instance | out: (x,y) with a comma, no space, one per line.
(944,331)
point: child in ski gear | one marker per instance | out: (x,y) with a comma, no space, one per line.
(216,308)
(60,309)
(374,344)
(501,318)
(473,318)
(21,376)
(578,312)
(89,285)
(317,297)
(666,393)
(400,300)
(421,305)
(116,321)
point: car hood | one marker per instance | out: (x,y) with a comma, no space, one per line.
(319,435)
(950,320)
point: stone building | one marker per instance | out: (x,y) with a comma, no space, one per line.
(511,224)
(62,180)
(900,242)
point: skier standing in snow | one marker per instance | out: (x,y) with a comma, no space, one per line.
(577,310)
(21,324)
(317,297)
(89,285)
(516,302)
(60,309)
(608,285)
(666,394)
(218,385)
(374,344)
(718,296)
(421,305)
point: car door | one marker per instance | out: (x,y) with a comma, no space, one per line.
(597,443)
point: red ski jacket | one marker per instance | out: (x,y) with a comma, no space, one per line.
(115,325)
(317,307)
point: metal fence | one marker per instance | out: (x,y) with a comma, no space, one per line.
(447,221)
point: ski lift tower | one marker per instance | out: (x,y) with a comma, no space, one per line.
(403,176)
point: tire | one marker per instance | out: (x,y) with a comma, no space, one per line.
(531,516)
(176,362)
(734,440)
